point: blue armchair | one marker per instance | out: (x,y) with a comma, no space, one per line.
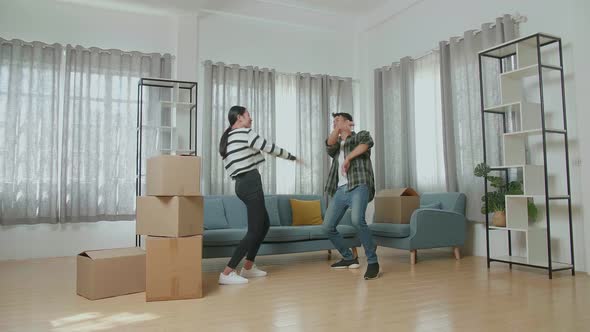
(440,222)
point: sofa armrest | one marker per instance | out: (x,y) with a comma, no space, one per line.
(433,228)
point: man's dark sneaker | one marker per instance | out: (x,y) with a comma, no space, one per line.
(347,264)
(372,271)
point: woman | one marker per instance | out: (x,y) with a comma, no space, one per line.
(240,148)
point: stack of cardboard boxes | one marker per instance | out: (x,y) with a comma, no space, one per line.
(171,215)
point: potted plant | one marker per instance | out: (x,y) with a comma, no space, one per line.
(496,199)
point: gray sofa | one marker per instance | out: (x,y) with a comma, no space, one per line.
(226,223)
(440,222)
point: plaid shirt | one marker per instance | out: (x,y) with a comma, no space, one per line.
(360,170)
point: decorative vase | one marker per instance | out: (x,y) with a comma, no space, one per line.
(499,219)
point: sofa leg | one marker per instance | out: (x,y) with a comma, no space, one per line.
(355,252)
(457,253)
(413,256)
(329,252)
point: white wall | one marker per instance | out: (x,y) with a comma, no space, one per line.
(192,39)
(420,28)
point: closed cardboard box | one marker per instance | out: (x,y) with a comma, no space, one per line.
(396,206)
(110,272)
(173,176)
(169,216)
(173,268)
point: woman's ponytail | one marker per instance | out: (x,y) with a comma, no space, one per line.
(223,142)
(232,117)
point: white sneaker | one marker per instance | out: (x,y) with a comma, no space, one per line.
(231,279)
(253,272)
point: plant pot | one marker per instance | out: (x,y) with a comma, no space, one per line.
(499,219)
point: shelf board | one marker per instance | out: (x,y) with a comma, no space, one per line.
(527,71)
(177,150)
(535,132)
(501,168)
(509,47)
(509,229)
(172,103)
(508,107)
(557,197)
(166,83)
(524,261)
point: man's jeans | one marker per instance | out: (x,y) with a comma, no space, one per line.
(357,200)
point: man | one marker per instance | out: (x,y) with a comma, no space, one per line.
(351,185)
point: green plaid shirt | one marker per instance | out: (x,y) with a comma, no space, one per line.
(360,170)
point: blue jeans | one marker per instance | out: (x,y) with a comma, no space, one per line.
(357,200)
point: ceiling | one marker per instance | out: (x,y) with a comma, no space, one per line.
(321,14)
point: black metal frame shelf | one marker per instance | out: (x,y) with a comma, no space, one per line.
(148,82)
(500,53)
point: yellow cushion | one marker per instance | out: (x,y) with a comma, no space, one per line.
(306,212)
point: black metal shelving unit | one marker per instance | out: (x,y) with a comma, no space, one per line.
(527,53)
(160,88)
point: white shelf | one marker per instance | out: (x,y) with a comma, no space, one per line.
(533,179)
(177,104)
(508,107)
(157,127)
(177,151)
(541,263)
(531,132)
(509,47)
(529,113)
(521,73)
(509,229)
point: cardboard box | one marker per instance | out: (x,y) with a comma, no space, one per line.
(173,268)
(396,205)
(110,272)
(169,216)
(173,176)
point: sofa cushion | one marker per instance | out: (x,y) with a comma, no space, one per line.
(272,207)
(390,230)
(318,232)
(235,212)
(306,212)
(287,234)
(223,237)
(285,206)
(433,205)
(214,214)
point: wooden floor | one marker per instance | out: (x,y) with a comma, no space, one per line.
(303,294)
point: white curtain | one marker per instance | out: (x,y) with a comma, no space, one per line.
(409,149)
(286,116)
(99,125)
(29,136)
(462,107)
(318,96)
(224,87)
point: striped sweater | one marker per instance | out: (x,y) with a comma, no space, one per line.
(244,148)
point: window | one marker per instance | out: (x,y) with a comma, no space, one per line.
(430,167)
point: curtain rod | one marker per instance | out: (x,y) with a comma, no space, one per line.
(277,72)
(130,53)
(517,18)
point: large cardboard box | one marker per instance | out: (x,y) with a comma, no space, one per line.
(173,268)
(396,205)
(169,216)
(173,176)
(110,272)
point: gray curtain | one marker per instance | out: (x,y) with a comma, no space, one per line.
(394,121)
(461,107)
(318,96)
(224,87)
(99,131)
(29,140)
